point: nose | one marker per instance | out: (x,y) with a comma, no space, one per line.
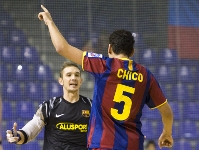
(73,77)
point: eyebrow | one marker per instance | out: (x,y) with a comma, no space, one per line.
(72,72)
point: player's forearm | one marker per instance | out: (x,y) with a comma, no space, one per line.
(58,40)
(62,46)
(33,127)
(167,119)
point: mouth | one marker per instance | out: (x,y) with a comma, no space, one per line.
(73,84)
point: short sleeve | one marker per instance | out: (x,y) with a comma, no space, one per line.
(155,97)
(94,63)
(44,107)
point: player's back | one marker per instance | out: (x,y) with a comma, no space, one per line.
(120,93)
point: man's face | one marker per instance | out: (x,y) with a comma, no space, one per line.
(71,80)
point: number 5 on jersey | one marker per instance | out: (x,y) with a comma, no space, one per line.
(120,97)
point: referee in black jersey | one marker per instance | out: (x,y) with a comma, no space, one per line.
(65,118)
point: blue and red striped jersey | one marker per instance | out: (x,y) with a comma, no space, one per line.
(122,88)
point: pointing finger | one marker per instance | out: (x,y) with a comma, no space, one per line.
(44,8)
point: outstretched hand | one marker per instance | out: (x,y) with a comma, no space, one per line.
(45,16)
(165,141)
(12,135)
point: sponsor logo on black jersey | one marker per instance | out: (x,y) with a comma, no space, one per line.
(86,113)
(71,126)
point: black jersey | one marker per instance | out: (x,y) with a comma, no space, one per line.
(66,123)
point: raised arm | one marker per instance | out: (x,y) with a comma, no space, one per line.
(61,45)
(166,139)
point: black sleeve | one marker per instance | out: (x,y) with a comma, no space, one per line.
(47,106)
(45,110)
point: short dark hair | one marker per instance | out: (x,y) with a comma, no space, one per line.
(122,42)
(68,64)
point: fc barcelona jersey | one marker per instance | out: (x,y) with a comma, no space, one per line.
(122,88)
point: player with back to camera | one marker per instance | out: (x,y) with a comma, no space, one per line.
(65,118)
(122,88)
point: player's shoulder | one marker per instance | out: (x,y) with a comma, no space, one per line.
(86,100)
(95,55)
(52,102)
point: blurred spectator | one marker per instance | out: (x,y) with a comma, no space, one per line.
(150,145)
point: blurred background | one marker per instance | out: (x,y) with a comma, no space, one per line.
(167,34)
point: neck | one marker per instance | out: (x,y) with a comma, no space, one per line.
(71,97)
(120,56)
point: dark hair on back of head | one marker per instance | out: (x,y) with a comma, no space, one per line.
(122,42)
(68,64)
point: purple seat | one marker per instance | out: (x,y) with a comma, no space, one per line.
(185,74)
(29,55)
(8,111)
(8,55)
(168,56)
(11,91)
(191,110)
(180,92)
(25,110)
(54,89)
(189,129)
(34,91)
(148,57)
(165,75)
(43,73)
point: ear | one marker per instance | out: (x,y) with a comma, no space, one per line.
(110,49)
(60,81)
(132,53)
